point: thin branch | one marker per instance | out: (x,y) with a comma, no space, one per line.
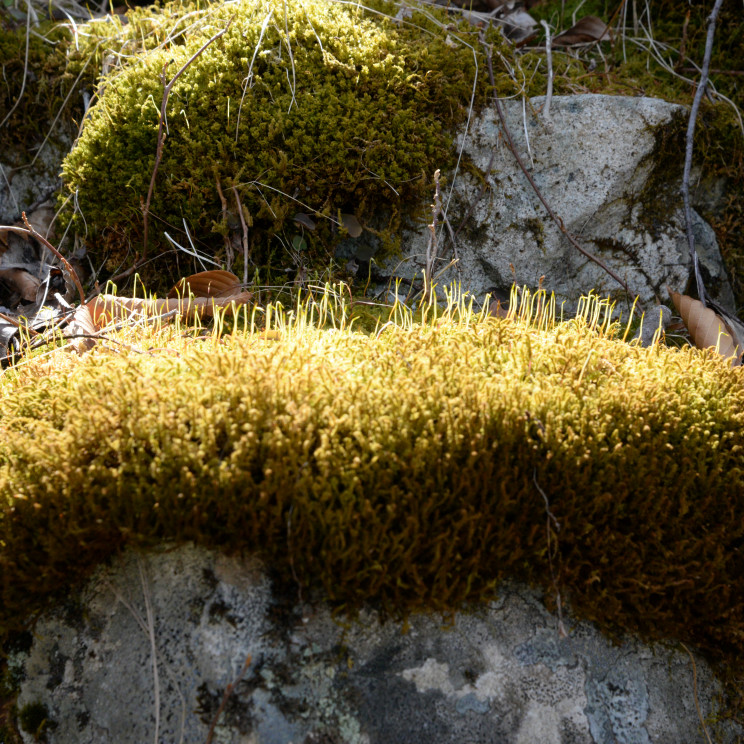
(30,230)
(549,55)
(431,247)
(699,93)
(550,517)
(162,124)
(229,254)
(153,647)
(558,221)
(228,692)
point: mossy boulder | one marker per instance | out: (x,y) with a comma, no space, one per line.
(315,107)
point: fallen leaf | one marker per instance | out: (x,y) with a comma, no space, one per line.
(107,308)
(707,328)
(25,284)
(586,30)
(351,224)
(215,283)
(81,330)
(305,220)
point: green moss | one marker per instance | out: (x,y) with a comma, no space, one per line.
(34,719)
(344,110)
(47,85)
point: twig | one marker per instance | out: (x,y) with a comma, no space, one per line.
(683,44)
(715,71)
(162,124)
(695,692)
(431,247)
(143,627)
(245,236)
(30,230)
(229,254)
(228,691)
(558,221)
(248,80)
(19,325)
(153,647)
(699,93)
(551,518)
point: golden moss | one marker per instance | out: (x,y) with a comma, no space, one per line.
(412,464)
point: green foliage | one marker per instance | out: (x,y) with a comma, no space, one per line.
(47,85)
(329,105)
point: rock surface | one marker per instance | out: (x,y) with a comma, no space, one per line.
(598,164)
(148,652)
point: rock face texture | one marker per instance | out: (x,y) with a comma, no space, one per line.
(603,164)
(149,651)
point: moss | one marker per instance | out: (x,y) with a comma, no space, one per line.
(406,500)
(34,719)
(344,110)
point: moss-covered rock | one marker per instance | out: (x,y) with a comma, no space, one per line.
(300,106)
(414,464)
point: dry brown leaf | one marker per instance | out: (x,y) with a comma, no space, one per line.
(351,225)
(106,308)
(215,283)
(707,328)
(305,220)
(26,284)
(586,30)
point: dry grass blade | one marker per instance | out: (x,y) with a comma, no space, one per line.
(214,283)
(707,328)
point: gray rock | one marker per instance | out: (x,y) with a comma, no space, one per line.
(597,163)
(26,181)
(161,636)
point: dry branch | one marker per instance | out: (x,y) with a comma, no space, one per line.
(30,230)
(228,692)
(106,308)
(699,93)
